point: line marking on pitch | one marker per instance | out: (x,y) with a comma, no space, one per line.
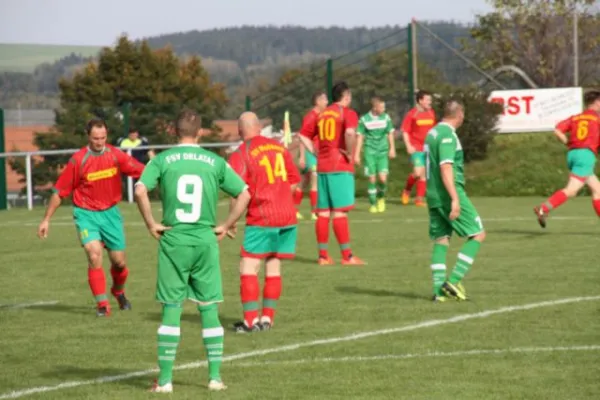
(27,305)
(284,349)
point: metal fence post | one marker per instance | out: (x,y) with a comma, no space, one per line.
(411,72)
(29,180)
(3,199)
(329,81)
(248,103)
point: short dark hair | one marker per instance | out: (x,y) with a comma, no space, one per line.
(338,91)
(95,123)
(316,95)
(132,129)
(421,95)
(188,124)
(591,97)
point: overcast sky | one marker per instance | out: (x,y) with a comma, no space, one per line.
(86,22)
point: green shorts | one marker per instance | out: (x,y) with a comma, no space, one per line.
(467,224)
(311,163)
(581,162)
(266,241)
(335,191)
(418,159)
(376,164)
(105,226)
(191,272)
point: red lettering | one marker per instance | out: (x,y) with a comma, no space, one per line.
(527,100)
(514,105)
(500,101)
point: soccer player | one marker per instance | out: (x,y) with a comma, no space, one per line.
(336,130)
(93,176)
(450,209)
(376,131)
(580,133)
(415,126)
(269,171)
(188,251)
(308,161)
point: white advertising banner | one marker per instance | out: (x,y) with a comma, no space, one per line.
(536,110)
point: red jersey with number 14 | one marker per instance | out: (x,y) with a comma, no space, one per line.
(331,128)
(269,171)
(583,130)
(308,125)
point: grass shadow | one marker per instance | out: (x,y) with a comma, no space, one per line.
(380,293)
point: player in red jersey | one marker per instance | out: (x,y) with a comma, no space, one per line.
(336,129)
(93,176)
(581,134)
(415,126)
(269,171)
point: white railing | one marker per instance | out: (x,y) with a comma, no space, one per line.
(30,154)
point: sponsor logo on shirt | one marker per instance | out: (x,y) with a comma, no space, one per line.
(102,174)
(424,122)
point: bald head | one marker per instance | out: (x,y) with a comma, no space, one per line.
(248,125)
(454,113)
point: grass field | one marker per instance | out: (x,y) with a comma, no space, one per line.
(531,330)
(25,57)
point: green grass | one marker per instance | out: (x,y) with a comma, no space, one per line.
(519,264)
(25,57)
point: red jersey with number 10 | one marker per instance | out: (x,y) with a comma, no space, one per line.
(308,123)
(583,130)
(269,171)
(330,128)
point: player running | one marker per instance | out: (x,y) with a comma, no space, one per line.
(270,234)
(93,176)
(188,252)
(415,126)
(336,130)
(450,209)
(308,161)
(376,131)
(581,134)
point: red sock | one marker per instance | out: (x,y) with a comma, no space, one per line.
(298,196)
(97,282)
(322,228)
(596,204)
(554,201)
(271,294)
(249,292)
(313,199)
(342,233)
(421,188)
(119,276)
(410,182)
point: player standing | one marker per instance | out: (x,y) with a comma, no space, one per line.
(336,130)
(580,133)
(270,234)
(93,176)
(188,252)
(415,126)
(376,131)
(450,209)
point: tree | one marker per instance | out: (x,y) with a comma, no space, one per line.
(536,36)
(129,84)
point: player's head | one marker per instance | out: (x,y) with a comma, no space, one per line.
(249,125)
(188,125)
(592,100)
(424,99)
(133,133)
(341,94)
(319,100)
(377,105)
(97,132)
(454,113)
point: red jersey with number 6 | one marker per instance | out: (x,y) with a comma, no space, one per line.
(269,171)
(331,128)
(583,130)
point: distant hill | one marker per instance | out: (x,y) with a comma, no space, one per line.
(26,57)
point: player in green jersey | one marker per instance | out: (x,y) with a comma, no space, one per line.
(188,251)
(450,209)
(376,132)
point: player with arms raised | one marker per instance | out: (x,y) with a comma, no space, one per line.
(450,209)
(336,130)
(415,126)
(581,134)
(93,176)
(270,234)
(188,252)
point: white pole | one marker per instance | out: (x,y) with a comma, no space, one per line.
(28,178)
(575,48)
(129,185)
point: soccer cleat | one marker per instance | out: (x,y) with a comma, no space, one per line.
(373,209)
(353,261)
(299,215)
(265,326)
(103,311)
(460,287)
(420,203)
(381,205)
(405,197)
(314,216)
(439,298)
(541,216)
(216,386)
(453,291)
(241,327)
(325,261)
(166,388)
(124,304)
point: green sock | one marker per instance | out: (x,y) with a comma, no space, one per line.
(438,267)
(212,335)
(465,260)
(168,340)
(381,189)
(372,191)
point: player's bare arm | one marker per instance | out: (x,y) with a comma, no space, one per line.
(359,145)
(392,142)
(239,206)
(306,143)
(53,205)
(350,137)
(143,203)
(302,157)
(409,147)
(447,173)
(561,136)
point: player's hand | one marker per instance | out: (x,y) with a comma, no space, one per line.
(392,153)
(410,149)
(357,159)
(157,230)
(221,232)
(43,229)
(455,210)
(232,232)
(302,164)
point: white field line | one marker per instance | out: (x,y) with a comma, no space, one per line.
(284,349)
(27,305)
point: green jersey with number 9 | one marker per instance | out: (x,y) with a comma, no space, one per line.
(190,178)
